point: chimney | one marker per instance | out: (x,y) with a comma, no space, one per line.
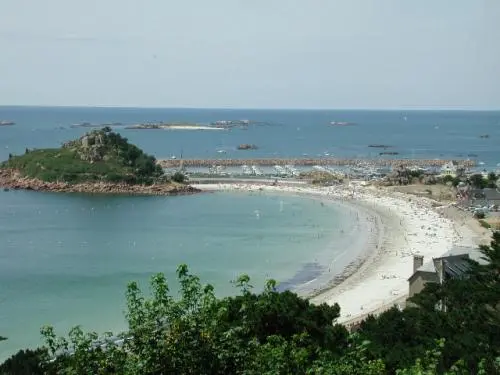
(418,261)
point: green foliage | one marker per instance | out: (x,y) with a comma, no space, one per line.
(354,361)
(113,160)
(454,181)
(179,177)
(447,178)
(477,181)
(25,362)
(470,323)
(416,173)
(491,181)
(280,333)
(484,224)
(479,215)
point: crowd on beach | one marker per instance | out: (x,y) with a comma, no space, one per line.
(400,226)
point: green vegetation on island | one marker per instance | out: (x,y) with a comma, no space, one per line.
(450,328)
(98,156)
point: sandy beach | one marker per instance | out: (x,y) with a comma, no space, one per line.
(402,226)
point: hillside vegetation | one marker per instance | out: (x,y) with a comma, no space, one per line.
(100,155)
(274,333)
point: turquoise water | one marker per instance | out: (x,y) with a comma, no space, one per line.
(65,259)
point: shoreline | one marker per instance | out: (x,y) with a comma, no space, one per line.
(10,180)
(367,221)
(406,225)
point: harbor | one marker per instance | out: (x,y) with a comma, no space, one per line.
(422,163)
(297,168)
(323,171)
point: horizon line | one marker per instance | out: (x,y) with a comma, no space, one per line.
(465,109)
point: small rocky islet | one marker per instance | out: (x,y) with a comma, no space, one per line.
(247,146)
(99,162)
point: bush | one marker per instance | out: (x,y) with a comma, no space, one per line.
(25,362)
(478,181)
(479,215)
(276,332)
(447,179)
(484,224)
(179,177)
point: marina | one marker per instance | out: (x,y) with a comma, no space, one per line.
(177,163)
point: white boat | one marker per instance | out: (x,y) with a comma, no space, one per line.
(256,170)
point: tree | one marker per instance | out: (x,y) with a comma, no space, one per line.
(470,325)
(447,178)
(25,362)
(179,177)
(456,181)
(477,181)
(492,180)
(199,333)
(280,333)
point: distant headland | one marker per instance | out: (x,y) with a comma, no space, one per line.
(100,161)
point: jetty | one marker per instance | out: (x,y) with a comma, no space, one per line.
(177,163)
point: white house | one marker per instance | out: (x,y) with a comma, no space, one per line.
(449,169)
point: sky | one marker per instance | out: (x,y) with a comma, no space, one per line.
(371,54)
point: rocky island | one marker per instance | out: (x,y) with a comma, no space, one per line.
(172,126)
(90,125)
(100,161)
(379,146)
(246,146)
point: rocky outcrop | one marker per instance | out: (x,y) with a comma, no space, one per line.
(10,179)
(246,146)
(90,147)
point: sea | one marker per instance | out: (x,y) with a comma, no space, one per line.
(66,259)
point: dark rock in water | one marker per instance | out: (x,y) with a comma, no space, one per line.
(246,146)
(6,189)
(388,153)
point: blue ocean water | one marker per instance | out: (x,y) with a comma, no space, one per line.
(287,133)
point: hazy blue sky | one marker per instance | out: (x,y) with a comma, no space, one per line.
(251,53)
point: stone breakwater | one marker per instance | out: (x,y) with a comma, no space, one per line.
(176,163)
(13,180)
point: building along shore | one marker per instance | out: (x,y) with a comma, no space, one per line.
(179,163)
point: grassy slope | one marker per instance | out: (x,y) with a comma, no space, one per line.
(65,165)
